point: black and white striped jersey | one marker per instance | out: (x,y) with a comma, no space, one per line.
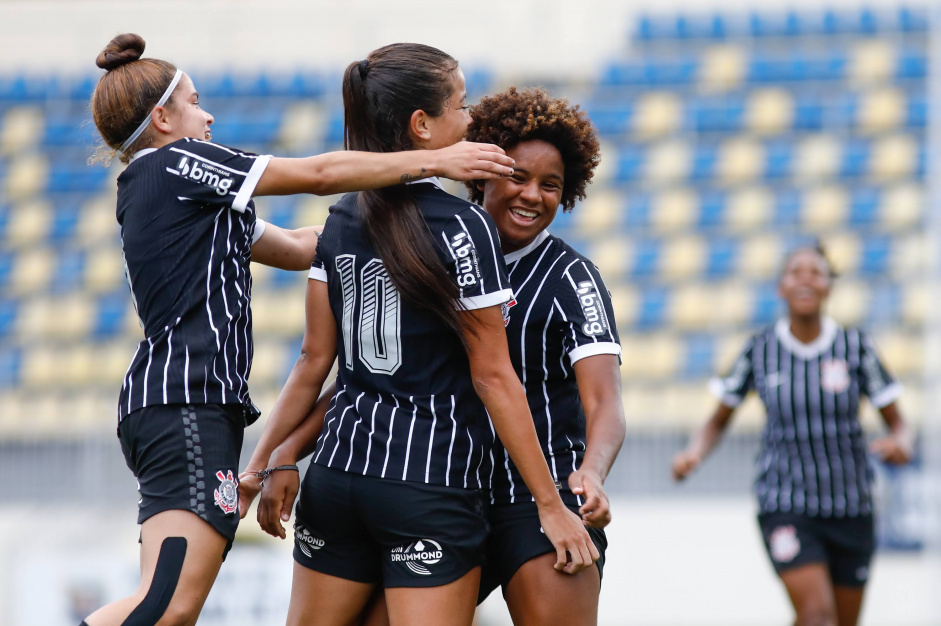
(406,408)
(187,227)
(562,312)
(813,456)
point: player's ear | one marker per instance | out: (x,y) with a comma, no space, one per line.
(418,127)
(160,118)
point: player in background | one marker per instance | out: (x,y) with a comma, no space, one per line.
(564,347)
(814,476)
(408,289)
(189,230)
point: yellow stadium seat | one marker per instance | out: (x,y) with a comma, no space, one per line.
(728,348)
(32,271)
(909,256)
(723,68)
(683,257)
(98,222)
(611,255)
(824,207)
(26,177)
(104,269)
(12,418)
(312,210)
(871,61)
(761,256)
(281,316)
(817,158)
(111,362)
(881,110)
(302,124)
(893,157)
(691,307)
(668,162)
(915,298)
(40,364)
(732,304)
(77,364)
(849,301)
(271,363)
(600,213)
(740,161)
(657,114)
(93,412)
(30,222)
(903,353)
(21,128)
(606,166)
(748,209)
(843,250)
(769,111)
(902,206)
(674,210)
(650,356)
(60,318)
(626,303)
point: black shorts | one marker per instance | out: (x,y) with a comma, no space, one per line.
(517,537)
(386,531)
(844,544)
(186,457)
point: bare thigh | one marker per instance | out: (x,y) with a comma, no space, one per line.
(811,592)
(204,548)
(849,601)
(319,599)
(447,605)
(538,595)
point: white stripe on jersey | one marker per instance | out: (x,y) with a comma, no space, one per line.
(447,471)
(339,427)
(411,428)
(372,430)
(150,359)
(225,300)
(853,494)
(166,366)
(359,419)
(186,374)
(325,435)
(545,394)
(529,311)
(129,378)
(215,330)
(470,451)
(493,246)
(391,429)
(431,437)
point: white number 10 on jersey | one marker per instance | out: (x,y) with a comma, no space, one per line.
(380,313)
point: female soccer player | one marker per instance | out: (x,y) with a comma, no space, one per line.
(564,347)
(395,493)
(814,481)
(189,230)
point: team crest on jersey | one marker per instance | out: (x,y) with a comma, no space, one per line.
(505,307)
(227,493)
(466,267)
(305,541)
(834,375)
(204,173)
(595,321)
(418,556)
(784,544)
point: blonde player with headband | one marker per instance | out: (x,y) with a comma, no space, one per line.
(188,231)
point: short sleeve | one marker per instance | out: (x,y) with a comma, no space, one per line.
(874,379)
(585,305)
(213,174)
(733,388)
(474,260)
(318,269)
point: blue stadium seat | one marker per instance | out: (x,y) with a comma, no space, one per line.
(875,256)
(630,162)
(653,308)
(700,356)
(808,113)
(65,176)
(722,257)
(636,214)
(646,258)
(611,119)
(704,162)
(11,359)
(69,273)
(787,208)
(779,155)
(916,114)
(110,314)
(767,304)
(65,219)
(700,27)
(864,206)
(715,114)
(712,205)
(885,306)
(69,130)
(911,63)
(7,260)
(855,158)
(911,19)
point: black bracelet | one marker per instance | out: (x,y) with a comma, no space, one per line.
(263,474)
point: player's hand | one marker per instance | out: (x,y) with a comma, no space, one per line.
(249,487)
(277,499)
(596,512)
(684,463)
(891,449)
(573,547)
(467,160)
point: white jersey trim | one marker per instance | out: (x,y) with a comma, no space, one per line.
(807,351)
(887,396)
(143,152)
(717,389)
(512,257)
(318,273)
(260,226)
(593,349)
(485,300)
(251,181)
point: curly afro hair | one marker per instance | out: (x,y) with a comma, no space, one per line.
(512,117)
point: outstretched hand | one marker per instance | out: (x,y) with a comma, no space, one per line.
(467,160)
(249,487)
(891,449)
(684,463)
(277,499)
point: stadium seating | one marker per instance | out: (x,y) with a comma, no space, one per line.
(728,139)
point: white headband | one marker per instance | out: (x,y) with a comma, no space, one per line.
(163,100)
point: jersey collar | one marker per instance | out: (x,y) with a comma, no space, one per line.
(806,351)
(431,179)
(519,254)
(141,153)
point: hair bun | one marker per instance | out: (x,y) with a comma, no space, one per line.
(122,49)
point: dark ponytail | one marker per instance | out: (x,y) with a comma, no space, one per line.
(379,96)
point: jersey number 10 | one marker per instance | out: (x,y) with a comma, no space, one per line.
(380,314)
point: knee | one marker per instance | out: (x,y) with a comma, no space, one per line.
(816,616)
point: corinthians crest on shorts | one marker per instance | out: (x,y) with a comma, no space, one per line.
(227,493)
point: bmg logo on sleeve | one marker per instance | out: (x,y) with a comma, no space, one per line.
(465,259)
(418,555)
(595,321)
(205,173)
